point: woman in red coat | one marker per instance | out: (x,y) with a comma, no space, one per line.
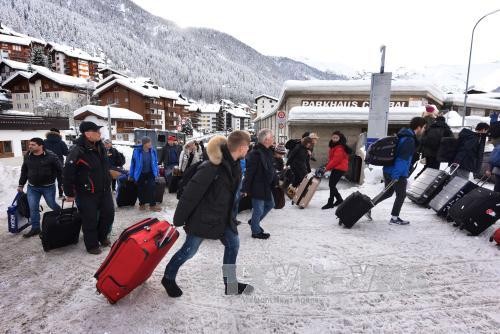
(338,163)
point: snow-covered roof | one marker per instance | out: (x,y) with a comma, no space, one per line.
(24,74)
(15,40)
(321,115)
(267,96)
(106,68)
(474,100)
(225,101)
(109,79)
(16,65)
(139,87)
(238,112)
(181,102)
(6,31)
(73,52)
(102,112)
(193,107)
(210,108)
(17,113)
(63,79)
(351,86)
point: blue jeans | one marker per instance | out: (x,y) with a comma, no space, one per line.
(260,208)
(34,195)
(231,242)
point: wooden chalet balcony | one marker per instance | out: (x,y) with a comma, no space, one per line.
(149,117)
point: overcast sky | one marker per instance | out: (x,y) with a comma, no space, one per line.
(350,32)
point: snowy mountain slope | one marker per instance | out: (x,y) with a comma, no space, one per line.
(202,63)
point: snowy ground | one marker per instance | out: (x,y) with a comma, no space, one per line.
(311,276)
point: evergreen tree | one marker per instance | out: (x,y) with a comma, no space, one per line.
(38,57)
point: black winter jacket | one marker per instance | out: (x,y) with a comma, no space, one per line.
(40,170)
(165,154)
(470,150)
(431,140)
(87,169)
(260,175)
(55,144)
(298,160)
(205,207)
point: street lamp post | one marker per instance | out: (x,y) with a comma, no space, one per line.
(468,66)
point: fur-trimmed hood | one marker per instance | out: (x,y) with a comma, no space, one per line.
(214,149)
(54,136)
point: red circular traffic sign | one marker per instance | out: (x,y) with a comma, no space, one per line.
(281,114)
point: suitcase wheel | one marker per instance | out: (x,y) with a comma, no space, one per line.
(293,202)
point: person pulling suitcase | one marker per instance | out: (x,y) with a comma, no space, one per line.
(399,171)
(144,170)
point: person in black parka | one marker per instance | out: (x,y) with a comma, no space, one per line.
(205,210)
(54,143)
(298,160)
(431,140)
(470,150)
(86,178)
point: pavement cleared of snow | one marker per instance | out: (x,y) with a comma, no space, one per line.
(311,276)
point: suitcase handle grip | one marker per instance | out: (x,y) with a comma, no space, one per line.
(389,186)
(164,240)
(453,168)
(483,179)
(62,207)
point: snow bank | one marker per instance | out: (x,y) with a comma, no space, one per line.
(8,186)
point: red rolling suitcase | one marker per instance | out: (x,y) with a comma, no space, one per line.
(134,257)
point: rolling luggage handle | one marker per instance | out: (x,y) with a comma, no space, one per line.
(389,186)
(453,168)
(483,179)
(66,214)
(163,241)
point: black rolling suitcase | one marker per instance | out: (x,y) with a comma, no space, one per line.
(452,192)
(429,184)
(353,174)
(355,206)
(126,194)
(60,228)
(160,185)
(476,211)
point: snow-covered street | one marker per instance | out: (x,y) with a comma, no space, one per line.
(310,276)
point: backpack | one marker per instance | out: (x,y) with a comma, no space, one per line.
(382,152)
(289,145)
(186,176)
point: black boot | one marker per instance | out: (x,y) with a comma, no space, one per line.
(172,288)
(32,232)
(242,288)
(328,205)
(338,201)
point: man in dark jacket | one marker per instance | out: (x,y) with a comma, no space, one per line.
(205,208)
(399,171)
(55,144)
(431,140)
(86,177)
(260,178)
(116,159)
(170,156)
(470,150)
(298,160)
(40,169)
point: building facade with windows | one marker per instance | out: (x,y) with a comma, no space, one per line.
(265,103)
(72,61)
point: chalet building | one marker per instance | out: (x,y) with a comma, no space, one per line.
(194,112)
(9,67)
(155,104)
(232,116)
(106,72)
(265,103)
(72,61)
(44,92)
(123,121)
(16,46)
(17,128)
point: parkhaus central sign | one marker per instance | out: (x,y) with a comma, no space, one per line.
(347,103)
